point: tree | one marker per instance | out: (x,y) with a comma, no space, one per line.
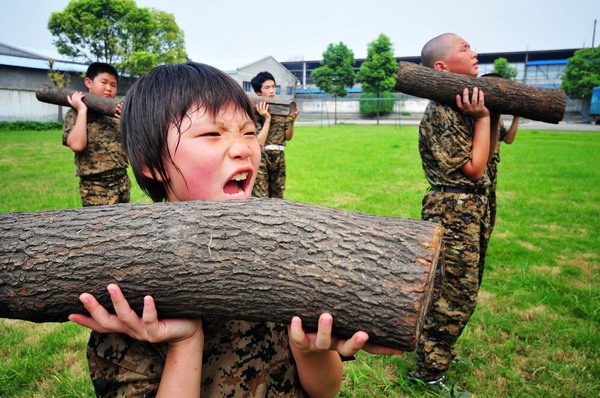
(503,68)
(378,73)
(336,72)
(132,39)
(582,73)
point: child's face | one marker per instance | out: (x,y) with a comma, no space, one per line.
(215,159)
(104,85)
(460,57)
(267,89)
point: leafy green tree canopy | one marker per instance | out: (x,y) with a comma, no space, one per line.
(336,72)
(379,70)
(582,73)
(132,39)
(503,68)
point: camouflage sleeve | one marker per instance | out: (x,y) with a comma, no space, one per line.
(502,131)
(70,118)
(124,367)
(451,138)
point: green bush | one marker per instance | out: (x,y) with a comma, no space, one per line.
(25,125)
(368,107)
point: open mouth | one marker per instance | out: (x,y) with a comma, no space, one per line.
(236,186)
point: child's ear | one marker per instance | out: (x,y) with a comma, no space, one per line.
(88,82)
(440,65)
(153,176)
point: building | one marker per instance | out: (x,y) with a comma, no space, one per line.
(285,81)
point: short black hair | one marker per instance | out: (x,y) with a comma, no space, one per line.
(96,68)
(258,80)
(162,99)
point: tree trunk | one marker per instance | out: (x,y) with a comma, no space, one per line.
(108,106)
(257,260)
(280,107)
(501,95)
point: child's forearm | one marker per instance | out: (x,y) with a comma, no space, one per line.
(263,134)
(320,373)
(77,139)
(289,133)
(512,131)
(480,152)
(182,375)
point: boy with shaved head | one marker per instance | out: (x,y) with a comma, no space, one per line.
(454,144)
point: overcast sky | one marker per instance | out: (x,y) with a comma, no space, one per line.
(231,33)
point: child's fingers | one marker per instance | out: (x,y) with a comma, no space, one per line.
(323,338)
(296,332)
(122,308)
(352,345)
(150,317)
(88,322)
(101,318)
(465,98)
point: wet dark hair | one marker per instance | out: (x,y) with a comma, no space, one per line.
(258,80)
(162,99)
(96,68)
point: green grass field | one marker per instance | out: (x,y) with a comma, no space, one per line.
(535,332)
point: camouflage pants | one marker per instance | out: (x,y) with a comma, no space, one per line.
(270,180)
(464,218)
(107,188)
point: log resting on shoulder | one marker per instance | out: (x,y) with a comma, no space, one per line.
(108,106)
(256,260)
(501,95)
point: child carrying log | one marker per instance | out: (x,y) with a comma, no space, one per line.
(455,144)
(100,159)
(273,133)
(190,134)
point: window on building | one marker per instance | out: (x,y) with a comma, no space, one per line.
(247,87)
(289,91)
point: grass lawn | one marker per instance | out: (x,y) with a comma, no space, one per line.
(536,331)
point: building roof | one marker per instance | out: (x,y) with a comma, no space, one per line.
(14,56)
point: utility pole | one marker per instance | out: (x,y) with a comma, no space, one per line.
(594,34)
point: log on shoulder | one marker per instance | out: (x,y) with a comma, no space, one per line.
(256,260)
(108,106)
(58,96)
(501,95)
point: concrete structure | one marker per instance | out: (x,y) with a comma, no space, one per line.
(285,81)
(22,71)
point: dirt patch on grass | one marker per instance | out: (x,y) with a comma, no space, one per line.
(529,246)
(587,262)
(532,313)
(546,270)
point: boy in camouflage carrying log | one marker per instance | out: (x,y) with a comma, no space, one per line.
(455,144)
(100,158)
(199,143)
(273,132)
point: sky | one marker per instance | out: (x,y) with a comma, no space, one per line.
(232,33)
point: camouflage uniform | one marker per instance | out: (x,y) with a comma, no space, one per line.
(445,143)
(102,165)
(493,173)
(270,180)
(240,359)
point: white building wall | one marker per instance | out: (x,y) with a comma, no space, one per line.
(21,104)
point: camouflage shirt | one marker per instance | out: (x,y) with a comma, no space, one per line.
(279,125)
(240,359)
(104,150)
(493,165)
(445,145)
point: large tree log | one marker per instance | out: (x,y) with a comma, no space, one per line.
(257,260)
(108,106)
(501,95)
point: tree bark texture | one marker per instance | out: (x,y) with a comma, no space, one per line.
(108,106)
(256,260)
(58,96)
(501,95)
(279,107)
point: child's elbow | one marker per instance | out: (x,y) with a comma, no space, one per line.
(76,146)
